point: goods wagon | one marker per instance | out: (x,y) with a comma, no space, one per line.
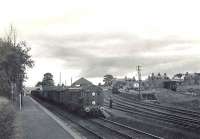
(172,85)
(86,100)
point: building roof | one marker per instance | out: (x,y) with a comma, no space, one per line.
(85,88)
(81,82)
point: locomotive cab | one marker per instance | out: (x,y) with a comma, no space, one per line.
(92,99)
(86,100)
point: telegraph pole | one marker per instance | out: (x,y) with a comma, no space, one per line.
(139,80)
(60,79)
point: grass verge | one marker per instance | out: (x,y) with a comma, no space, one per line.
(7,117)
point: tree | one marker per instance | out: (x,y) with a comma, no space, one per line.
(125,78)
(159,76)
(149,77)
(165,76)
(179,75)
(108,80)
(133,79)
(48,79)
(196,78)
(14,60)
(153,76)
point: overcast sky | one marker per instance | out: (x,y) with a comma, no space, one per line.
(91,38)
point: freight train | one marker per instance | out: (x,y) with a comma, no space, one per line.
(86,100)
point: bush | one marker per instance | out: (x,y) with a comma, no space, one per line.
(7,115)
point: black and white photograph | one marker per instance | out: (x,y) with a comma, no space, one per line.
(99,69)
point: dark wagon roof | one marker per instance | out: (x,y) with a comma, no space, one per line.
(54,88)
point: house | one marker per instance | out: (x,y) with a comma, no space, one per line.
(125,83)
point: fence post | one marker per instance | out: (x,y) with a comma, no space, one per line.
(20,101)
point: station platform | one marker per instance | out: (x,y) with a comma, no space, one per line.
(36,122)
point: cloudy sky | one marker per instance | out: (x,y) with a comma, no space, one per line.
(91,38)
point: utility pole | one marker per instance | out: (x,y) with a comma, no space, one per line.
(60,79)
(71,81)
(12,92)
(139,80)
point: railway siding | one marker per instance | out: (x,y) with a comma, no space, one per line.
(124,129)
(186,121)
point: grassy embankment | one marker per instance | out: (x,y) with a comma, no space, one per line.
(7,117)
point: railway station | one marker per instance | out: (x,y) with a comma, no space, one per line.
(118,110)
(99,69)
(122,110)
(35,121)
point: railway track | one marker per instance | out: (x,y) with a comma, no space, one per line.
(66,117)
(160,111)
(151,115)
(186,112)
(106,129)
(149,112)
(101,128)
(124,129)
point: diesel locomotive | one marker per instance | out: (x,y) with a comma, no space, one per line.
(85,99)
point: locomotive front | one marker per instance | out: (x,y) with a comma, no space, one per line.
(92,100)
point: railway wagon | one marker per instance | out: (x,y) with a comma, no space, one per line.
(172,85)
(53,93)
(36,93)
(87,100)
(82,97)
(116,86)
